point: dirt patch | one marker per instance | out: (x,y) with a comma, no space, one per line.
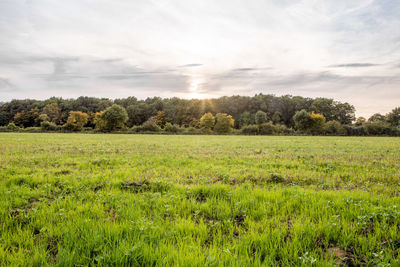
(343,258)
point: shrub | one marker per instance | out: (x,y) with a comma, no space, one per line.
(150,125)
(354,131)
(282,129)
(250,129)
(192,130)
(171,128)
(49,126)
(266,128)
(334,128)
(376,128)
(32,129)
(12,127)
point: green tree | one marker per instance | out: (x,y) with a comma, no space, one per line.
(224,123)
(360,121)
(303,121)
(112,118)
(394,117)
(377,117)
(261,117)
(245,119)
(53,111)
(277,117)
(207,121)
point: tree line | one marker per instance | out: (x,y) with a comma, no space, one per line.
(259,114)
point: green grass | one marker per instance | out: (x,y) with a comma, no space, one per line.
(151,200)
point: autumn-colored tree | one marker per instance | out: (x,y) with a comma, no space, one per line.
(224,123)
(207,121)
(27,118)
(76,120)
(161,118)
(318,122)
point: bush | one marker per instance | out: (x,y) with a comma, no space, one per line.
(171,128)
(355,131)
(282,129)
(49,126)
(334,128)
(192,130)
(32,129)
(150,126)
(12,127)
(376,128)
(250,129)
(266,128)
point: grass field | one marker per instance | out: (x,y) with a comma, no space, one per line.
(151,200)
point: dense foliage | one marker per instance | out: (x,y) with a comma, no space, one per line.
(260,114)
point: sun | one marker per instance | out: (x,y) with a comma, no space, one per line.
(194,85)
(195,91)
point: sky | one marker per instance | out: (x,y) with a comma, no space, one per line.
(341,49)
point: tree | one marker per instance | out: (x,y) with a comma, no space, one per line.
(324,106)
(53,111)
(27,118)
(261,117)
(224,123)
(377,117)
(318,122)
(207,121)
(277,117)
(360,121)
(161,118)
(76,120)
(344,113)
(334,110)
(303,121)
(112,118)
(394,117)
(245,119)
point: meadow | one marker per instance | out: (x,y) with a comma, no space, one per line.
(162,200)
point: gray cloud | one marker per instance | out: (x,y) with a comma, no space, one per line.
(244,69)
(354,65)
(190,65)
(6,85)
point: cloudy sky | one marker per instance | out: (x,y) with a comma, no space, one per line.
(347,50)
